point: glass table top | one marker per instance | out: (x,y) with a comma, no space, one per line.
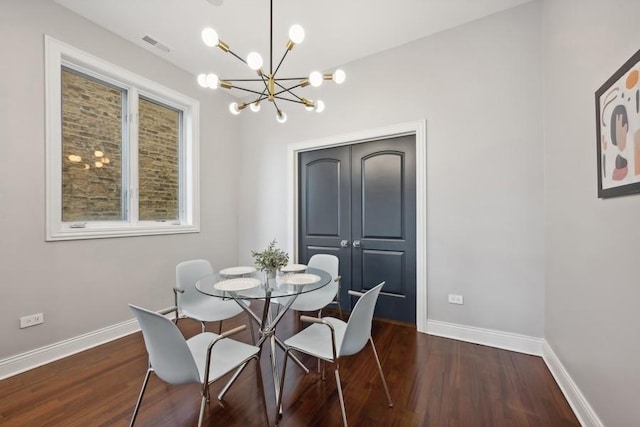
(254,285)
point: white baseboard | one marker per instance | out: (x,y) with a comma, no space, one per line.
(584,412)
(41,356)
(489,337)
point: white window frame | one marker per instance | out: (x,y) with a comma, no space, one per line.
(58,54)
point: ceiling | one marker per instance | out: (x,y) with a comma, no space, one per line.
(337,31)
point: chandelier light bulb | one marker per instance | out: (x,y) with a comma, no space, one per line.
(296,34)
(319,106)
(233,108)
(281,117)
(255,106)
(210,37)
(254,60)
(315,78)
(202,80)
(98,164)
(339,76)
(212,81)
(309,107)
(98,153)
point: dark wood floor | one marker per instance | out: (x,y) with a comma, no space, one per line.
(433,382)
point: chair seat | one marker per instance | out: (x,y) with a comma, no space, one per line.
(226,354)
(315,339)
(211,309)
(312,301)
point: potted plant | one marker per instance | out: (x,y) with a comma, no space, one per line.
(270,259)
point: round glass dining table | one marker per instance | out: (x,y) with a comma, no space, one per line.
(244,283)
(255,285)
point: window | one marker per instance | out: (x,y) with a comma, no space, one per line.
(121,151)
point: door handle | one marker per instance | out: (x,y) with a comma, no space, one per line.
(356,243)
(344,244)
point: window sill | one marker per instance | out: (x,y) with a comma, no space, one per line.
(103,232)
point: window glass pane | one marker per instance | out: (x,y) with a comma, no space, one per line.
(158,161)
(91,149)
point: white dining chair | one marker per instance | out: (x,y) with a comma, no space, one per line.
(320,298)
(329,339)
(191,303)
(203,358)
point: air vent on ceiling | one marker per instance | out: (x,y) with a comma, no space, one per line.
(155,43)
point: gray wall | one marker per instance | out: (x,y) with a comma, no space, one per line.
(479,88)
(82,286)
(592,245)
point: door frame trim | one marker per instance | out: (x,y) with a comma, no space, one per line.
(417,128)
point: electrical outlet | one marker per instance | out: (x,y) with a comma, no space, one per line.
(32,320)
(456,299)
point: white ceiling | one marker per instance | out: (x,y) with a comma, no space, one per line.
(337,31)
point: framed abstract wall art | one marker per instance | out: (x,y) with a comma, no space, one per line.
(618,131)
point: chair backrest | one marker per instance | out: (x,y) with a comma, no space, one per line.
(358,329)
(326,262)
(320,298)
(169,354)
(187,274)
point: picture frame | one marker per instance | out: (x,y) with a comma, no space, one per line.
(618,131)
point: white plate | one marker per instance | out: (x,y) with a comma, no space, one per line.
(237,271)
(300,279)
(293,268)
(237,284)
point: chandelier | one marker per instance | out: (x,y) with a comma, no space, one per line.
(271,87)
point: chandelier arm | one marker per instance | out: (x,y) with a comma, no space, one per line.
(291,88)
(242,80)
(265,82)
(281,61)
(286,90)
(248,90)
(290,78)
(239,57)
(287,99)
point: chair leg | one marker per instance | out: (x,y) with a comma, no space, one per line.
(233,379)
(291,355)
(384,382)
(144,386)
(339,308)
(219,327)
(203,405)
(261,388)
(284,371)
(253,334)
(339,385)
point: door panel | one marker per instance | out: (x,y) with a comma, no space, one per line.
(364,193)
(325,208)
(383,221)
(381,177)
(389,265)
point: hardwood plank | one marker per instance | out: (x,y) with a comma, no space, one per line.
(433,382)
